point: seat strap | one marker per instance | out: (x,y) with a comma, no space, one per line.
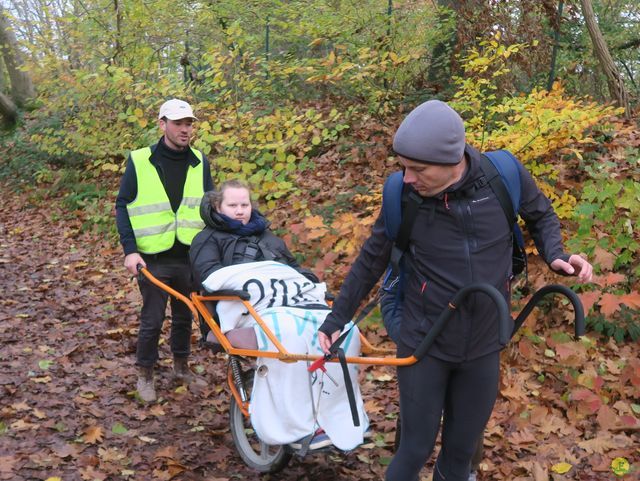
(347,384)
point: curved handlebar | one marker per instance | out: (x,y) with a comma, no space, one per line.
(503,312)
(558,289)
(496,297)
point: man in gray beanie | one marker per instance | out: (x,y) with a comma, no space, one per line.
(460,235)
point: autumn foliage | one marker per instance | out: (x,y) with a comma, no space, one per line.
(312,134)
(69,324)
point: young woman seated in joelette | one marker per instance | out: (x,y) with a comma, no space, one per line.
(288,404)
(236,233)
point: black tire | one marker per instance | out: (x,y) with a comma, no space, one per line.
(255,453)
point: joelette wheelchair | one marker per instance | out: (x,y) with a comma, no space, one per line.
(268,458)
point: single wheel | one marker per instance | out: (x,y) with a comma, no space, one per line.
(255,453)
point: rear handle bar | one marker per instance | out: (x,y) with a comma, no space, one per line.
(503,312)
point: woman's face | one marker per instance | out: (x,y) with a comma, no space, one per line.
(236,203)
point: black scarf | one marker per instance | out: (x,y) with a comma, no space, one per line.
(256,225)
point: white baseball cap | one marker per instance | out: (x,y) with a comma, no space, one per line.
(176,109)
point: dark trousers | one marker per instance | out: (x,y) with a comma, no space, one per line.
(177,274)
(462,395)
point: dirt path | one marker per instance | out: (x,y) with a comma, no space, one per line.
(68,320)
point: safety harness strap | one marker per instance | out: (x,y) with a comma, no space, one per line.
(347,384)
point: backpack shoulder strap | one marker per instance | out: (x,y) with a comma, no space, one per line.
(267,253)
(251,249)
(506,165)
(503,175)
(227,258)
(392,204)
(398,221)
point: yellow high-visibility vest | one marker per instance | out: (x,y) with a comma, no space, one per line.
(154,224)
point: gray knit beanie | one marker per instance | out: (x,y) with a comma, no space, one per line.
(432,132)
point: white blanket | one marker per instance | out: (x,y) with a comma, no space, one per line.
(287,402)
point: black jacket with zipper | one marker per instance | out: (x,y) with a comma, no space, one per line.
(217,246)
(459,237)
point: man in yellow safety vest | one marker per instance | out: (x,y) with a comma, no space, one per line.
(157,214)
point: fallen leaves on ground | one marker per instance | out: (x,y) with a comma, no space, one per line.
(68,328)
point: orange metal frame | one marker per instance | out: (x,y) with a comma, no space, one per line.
(197,306)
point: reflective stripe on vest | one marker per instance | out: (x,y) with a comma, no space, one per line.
(154,223)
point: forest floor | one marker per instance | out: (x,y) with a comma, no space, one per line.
(68,409)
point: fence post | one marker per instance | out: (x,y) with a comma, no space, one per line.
(266,40)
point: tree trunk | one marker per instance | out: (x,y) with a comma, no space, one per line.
(3,82)
(8,110)
(21,85)
(615,83)
(118,46)
(556,43)
(439,73)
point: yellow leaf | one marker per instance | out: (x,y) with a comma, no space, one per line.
(561,468)
(22,425)
(110,166)
(331,59)
(181,390)
(54,478)
(373,407)
(157,411)
(620,466)
(313,222)
(21,406)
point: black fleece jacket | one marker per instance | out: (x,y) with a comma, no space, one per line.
(459,237)
(218,246)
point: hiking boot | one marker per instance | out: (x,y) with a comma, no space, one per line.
(181,372)
(145,387)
